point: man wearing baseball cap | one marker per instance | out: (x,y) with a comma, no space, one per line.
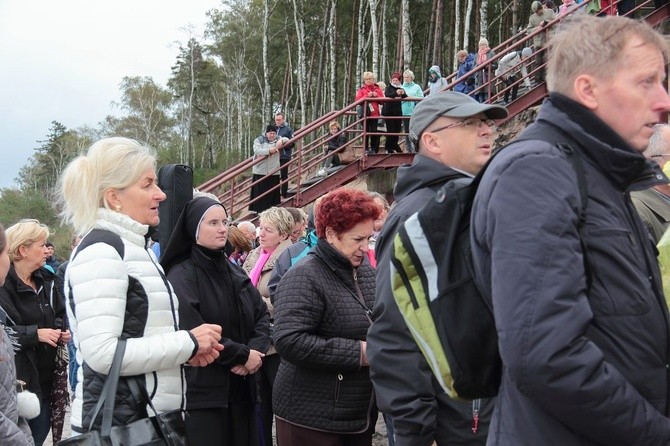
(454,137)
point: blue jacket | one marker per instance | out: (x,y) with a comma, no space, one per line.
(584,351)
(290,257)
(468,85)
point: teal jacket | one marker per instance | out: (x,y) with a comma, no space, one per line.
(412,90)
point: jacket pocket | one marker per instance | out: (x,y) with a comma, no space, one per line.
(617,272)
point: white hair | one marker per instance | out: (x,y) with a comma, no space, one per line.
(109,163)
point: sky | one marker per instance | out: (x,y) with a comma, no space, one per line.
(63,60)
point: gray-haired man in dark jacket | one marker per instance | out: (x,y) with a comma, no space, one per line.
(454,136)
(582,323)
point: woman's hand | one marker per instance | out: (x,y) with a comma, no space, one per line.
(240,370)
(254,362)
(48,336)
(65,336)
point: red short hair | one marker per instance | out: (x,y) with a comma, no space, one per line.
(344,208)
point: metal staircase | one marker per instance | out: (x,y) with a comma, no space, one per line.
(233,186)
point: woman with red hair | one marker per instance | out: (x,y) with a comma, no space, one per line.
(323,393)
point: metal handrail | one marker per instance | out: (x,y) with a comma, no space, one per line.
(233,186)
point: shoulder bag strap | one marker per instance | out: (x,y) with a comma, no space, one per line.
(108,394)
(140,393)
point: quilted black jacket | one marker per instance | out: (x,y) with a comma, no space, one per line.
(319,325)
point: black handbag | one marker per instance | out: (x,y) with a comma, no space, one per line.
(165,429)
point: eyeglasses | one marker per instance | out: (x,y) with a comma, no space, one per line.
(470,123)
(660,155)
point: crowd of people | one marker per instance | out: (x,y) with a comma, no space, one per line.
(293,323)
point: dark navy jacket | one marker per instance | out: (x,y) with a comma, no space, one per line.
(585,353)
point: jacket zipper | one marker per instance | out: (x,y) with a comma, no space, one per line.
(337,386)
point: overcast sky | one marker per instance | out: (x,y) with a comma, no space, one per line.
(64,60)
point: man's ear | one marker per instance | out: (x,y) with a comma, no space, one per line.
(585,90)
(430,145)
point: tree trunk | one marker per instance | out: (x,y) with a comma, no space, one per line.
(430,46)
(332,54)
(384,66)
(468,21)
(319,84)
(374,28)
(361,41)
(189,143)
(300,32)
(265,105)
(406,35)
(484,19)
(457,30)
(353,67)
(437,38)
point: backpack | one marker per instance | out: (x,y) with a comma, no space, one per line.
(448,313)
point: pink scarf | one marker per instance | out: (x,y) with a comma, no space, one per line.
(255,273)
(481,55)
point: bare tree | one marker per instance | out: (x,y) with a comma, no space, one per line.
(438,30)
(457,29)
(468,20)
(300,31)
(374,28)
(406,34)
(361,48)
(265,101)
(332,54)
(483,18)
(385,51)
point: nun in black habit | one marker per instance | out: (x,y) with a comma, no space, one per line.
(221,397)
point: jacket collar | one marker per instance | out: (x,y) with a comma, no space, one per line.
(123,226)
(18,285)
(626,168)
(334,259)
(217,261)
(423,172)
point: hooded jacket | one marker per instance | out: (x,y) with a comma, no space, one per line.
(583,332)
(437,84)
(404,384)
